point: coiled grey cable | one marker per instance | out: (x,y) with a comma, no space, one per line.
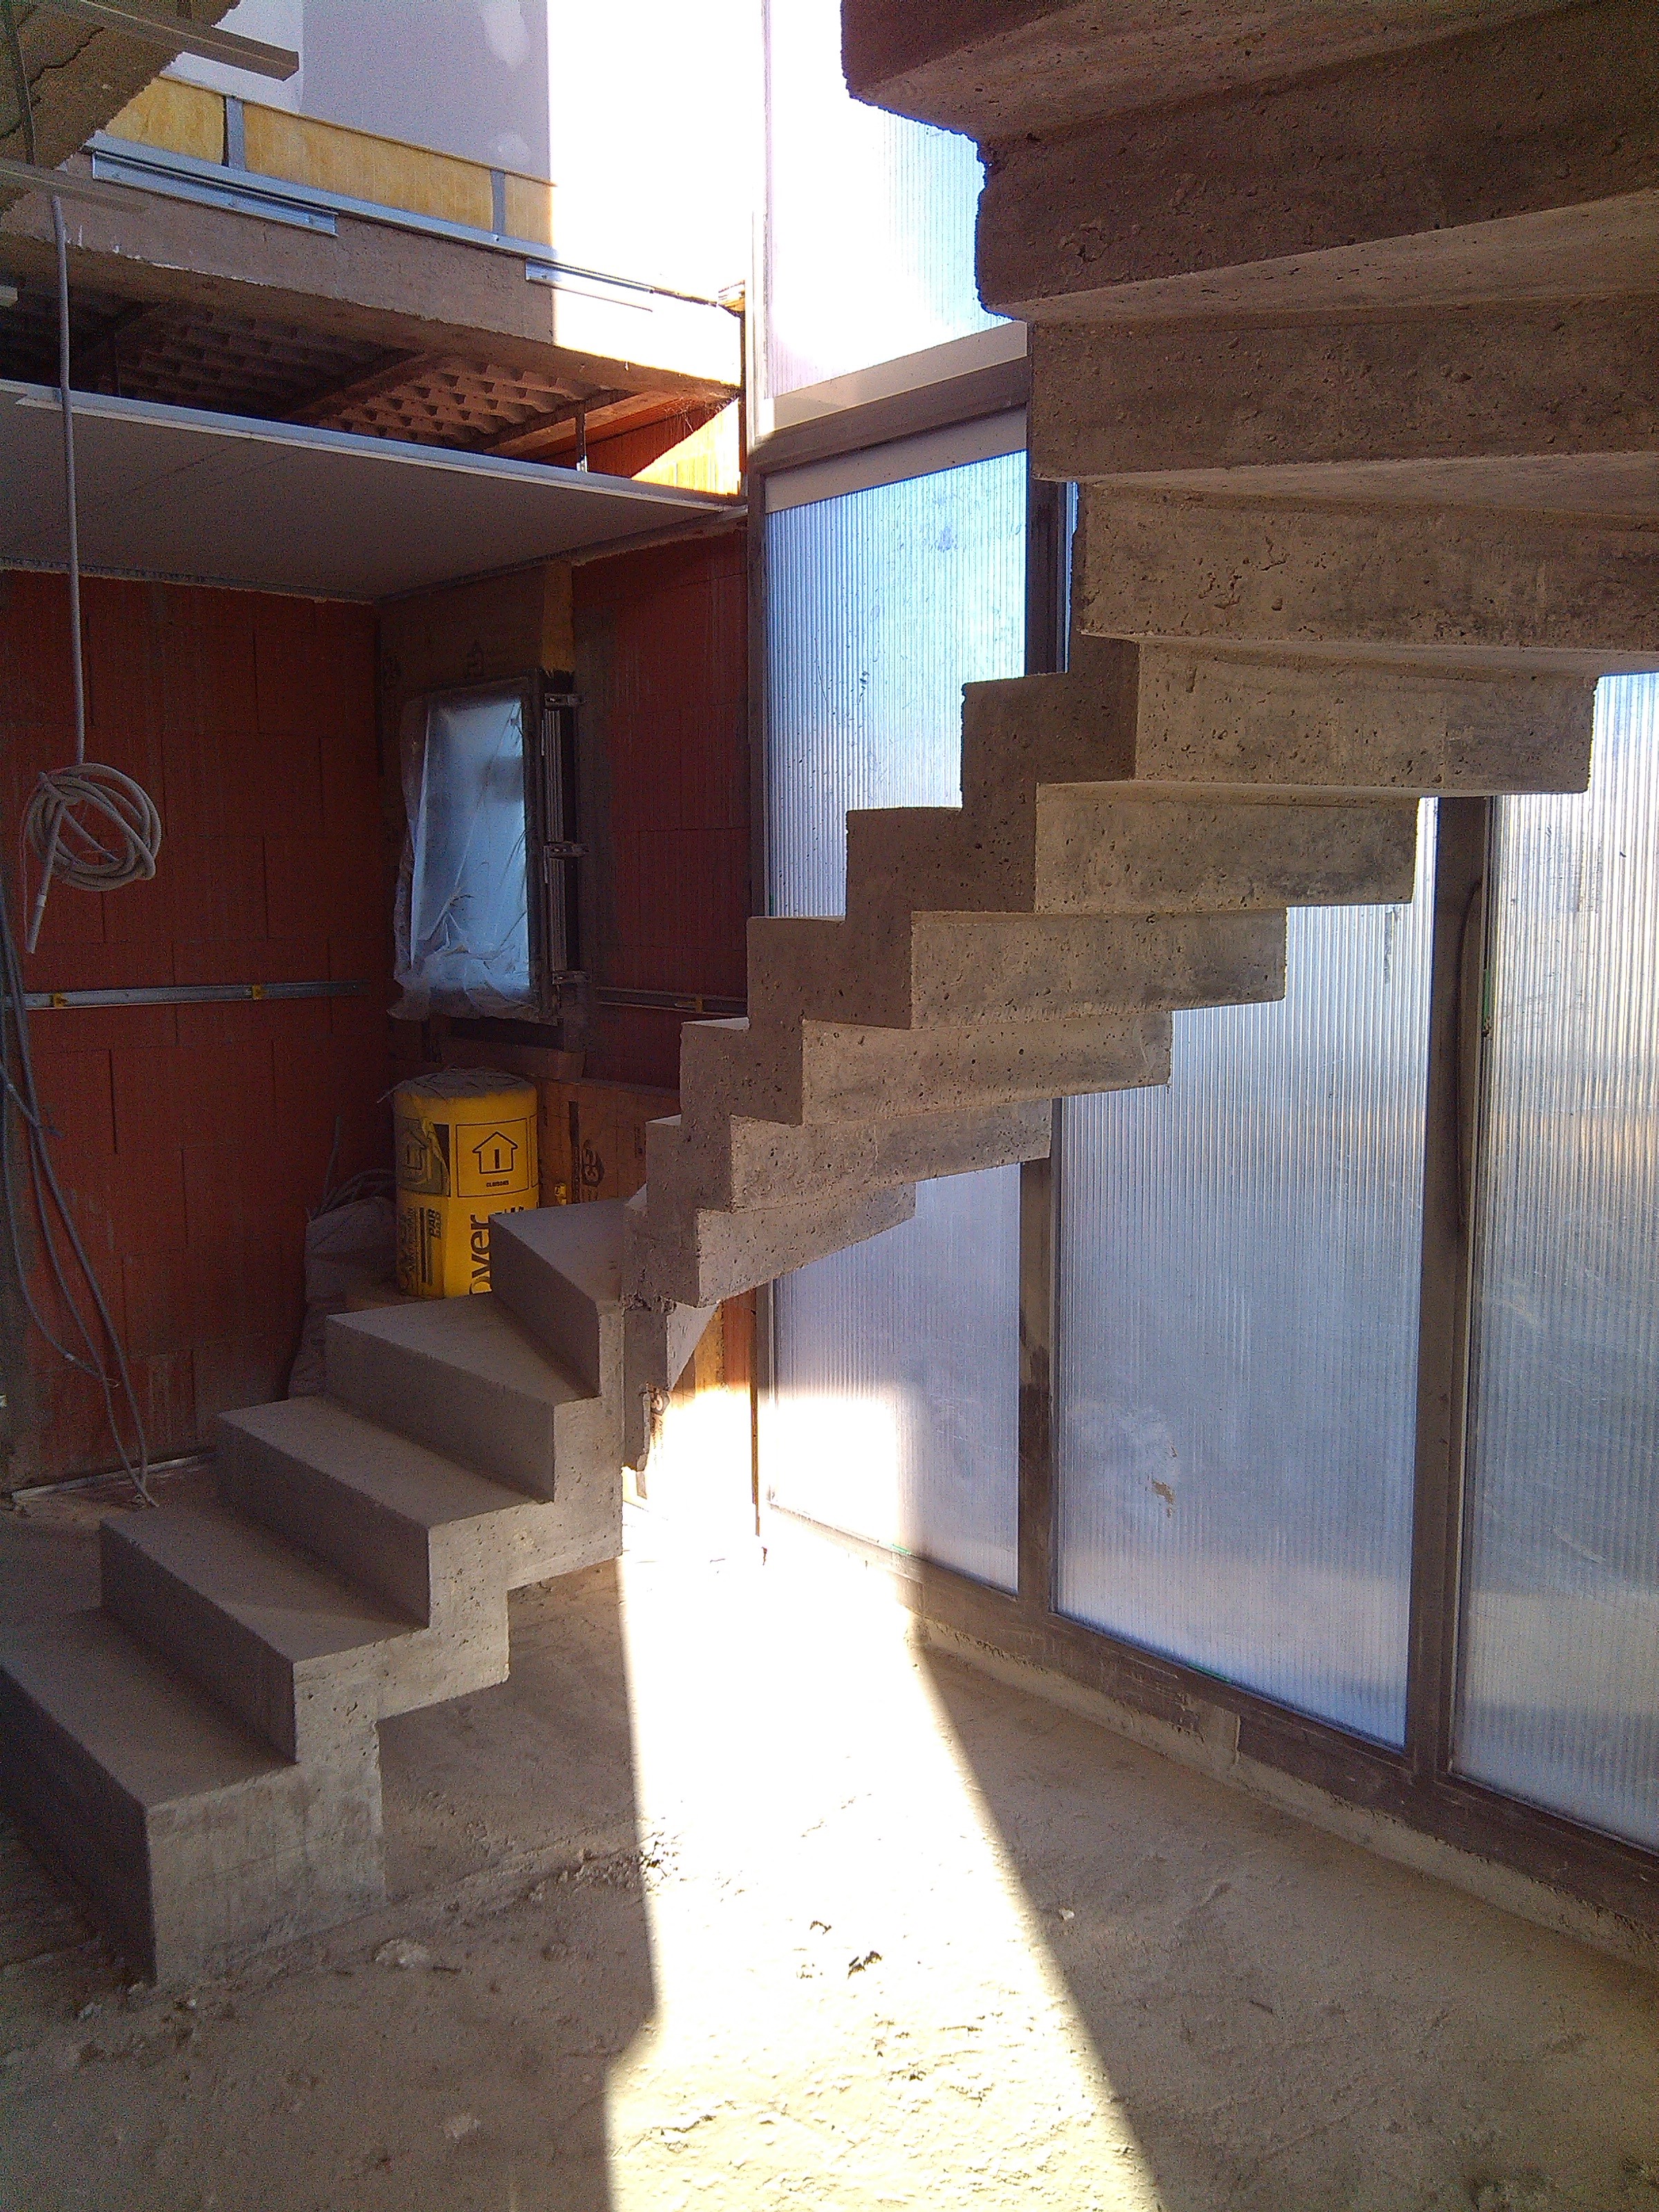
(55,808)
(90,824)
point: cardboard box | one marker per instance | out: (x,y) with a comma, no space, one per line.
(591,1137)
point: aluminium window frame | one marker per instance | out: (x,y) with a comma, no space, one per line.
(1228,1727)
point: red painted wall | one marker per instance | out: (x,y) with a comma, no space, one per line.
(192,1138)
(662,667)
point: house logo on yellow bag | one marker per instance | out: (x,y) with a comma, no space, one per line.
(495,1157)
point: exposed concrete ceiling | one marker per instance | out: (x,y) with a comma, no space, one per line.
(171,493)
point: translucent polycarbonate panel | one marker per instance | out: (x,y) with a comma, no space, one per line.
(881,605)
(894,1412)
(869,217)
(464,916)
(1237,1325)
(1559,1692)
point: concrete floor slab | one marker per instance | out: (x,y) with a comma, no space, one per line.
(732,1895)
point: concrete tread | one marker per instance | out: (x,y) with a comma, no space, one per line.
(153,1732)
(295,1606)
(407,1479)
(476,1334)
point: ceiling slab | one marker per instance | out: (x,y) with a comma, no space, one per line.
(173,493)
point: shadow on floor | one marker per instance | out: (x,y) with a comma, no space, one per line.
(1293,2024)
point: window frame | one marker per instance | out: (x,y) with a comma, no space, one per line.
(548,705)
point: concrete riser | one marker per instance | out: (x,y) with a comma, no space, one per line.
(452,1411)
(187,1888)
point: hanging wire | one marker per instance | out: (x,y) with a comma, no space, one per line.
(121,852)
(90,824)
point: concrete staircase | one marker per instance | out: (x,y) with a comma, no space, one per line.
(1343,319)
(200,1754)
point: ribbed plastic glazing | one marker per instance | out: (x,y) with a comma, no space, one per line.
(1560,1693)
(894,1412)
(881,605)
(869,217)
(1236,1322)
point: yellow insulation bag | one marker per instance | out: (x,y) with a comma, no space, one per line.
(466,1149)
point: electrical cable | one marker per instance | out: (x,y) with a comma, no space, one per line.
(90,824)
(129,818)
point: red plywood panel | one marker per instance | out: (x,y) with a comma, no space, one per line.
(124,704)
(35,690)
(664,649)
(77,1101)
(192,1139)
(216,886)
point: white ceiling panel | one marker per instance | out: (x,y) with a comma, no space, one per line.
(171,492)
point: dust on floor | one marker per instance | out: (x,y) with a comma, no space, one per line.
(732,1896)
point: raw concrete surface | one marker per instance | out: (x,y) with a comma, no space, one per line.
(732,1896)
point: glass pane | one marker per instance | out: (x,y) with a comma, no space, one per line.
(468,948)
(1236,1328)
(870,218)
(895,1409)
(895,1412)
(1560,1634)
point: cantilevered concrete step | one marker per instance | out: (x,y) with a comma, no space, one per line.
(841,1072)
(1271,719)
(461,1376)
(306,1659)
(426,1534)
(1217,715)
(194,1837)
(932,970)
(557,1269)
(1210,847)
(696,1255)
(1136,847)
(1340,181)
(735,1161)
(1357,576)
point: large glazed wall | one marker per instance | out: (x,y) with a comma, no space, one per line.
(191,1138)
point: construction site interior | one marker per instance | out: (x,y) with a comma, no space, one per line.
(829,1105)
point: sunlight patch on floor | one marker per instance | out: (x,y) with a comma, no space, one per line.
(856,2003)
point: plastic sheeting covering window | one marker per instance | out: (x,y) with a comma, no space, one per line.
(870,218)
(1236,1328)
(462,917)
(1560,1693)
(894,1411)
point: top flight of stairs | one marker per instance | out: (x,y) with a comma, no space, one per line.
(1344,321)
(200,1753)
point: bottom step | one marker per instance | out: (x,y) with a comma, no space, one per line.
(194,1838)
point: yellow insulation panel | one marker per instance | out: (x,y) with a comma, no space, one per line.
(363,167)
(181,119)
(467,1149)
(529,209)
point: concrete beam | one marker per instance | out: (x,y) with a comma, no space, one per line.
(994,69)
(1462,383)
(395,288)
(1519,162)
(1403,581)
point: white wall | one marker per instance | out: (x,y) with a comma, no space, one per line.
(646,119)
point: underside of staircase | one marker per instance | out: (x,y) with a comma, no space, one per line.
(1344,319)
